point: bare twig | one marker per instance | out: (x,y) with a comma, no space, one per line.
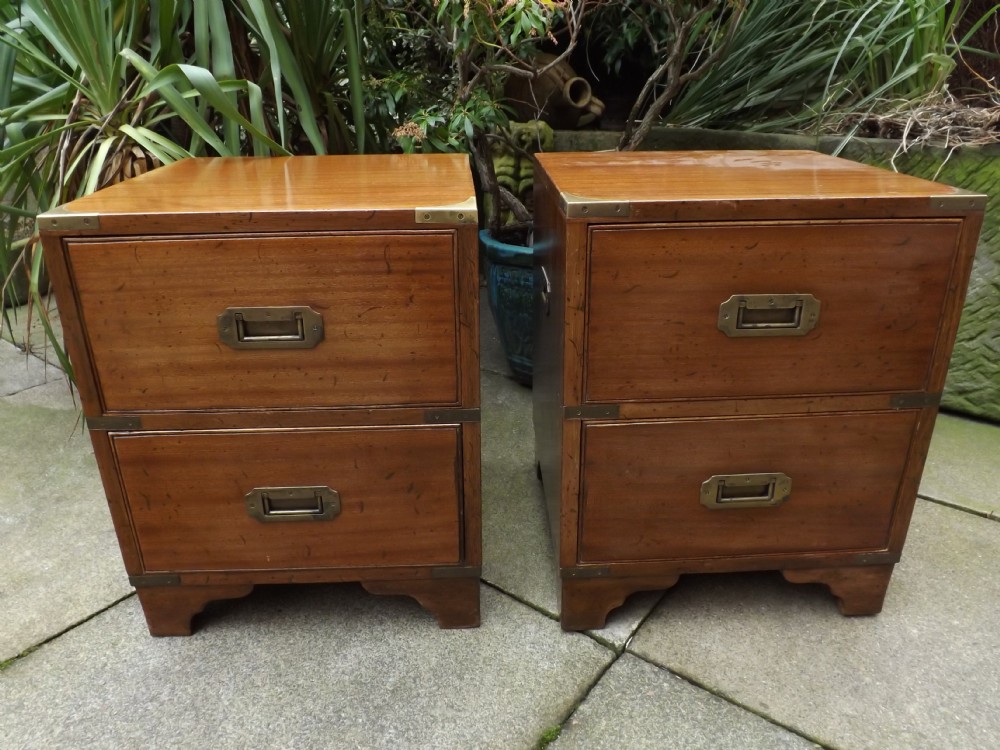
(65,142)
(670,74)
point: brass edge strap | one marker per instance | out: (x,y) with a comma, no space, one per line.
(914,400)
(465,212)
(155,579)
(591,411)
(959,201)
(457,572)
(114,424)
(449,416)
(60,219)
(580,207)
(596,571)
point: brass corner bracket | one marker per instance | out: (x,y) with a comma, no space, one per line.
(451,416)
(114,423)
(962,200)
(914,400)
(61,220)
(591,411)
(465,212)
(579,207)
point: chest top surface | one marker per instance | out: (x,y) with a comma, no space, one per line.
(387,185)
(728,176)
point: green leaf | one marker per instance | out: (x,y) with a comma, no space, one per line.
(152,142)
(284,66)
(163,82)
(223,66)
(96,165)
(354,79)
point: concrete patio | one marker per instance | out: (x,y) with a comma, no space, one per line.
(721,661)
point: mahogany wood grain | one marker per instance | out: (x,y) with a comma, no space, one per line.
(399,494)
(586,602)
(328,575)
(730,564)
(642,482)
(568,499)
(471,507)
(384,409)
(754,406)
(655,292)
(958,285)
(859,590)
(299,417)
(467,314)
(107,465)
(669,400)
(74,337)
(377,191)
(453,602)
(170,609)
(686,185)
(910,481)
(150,308)
(549,252)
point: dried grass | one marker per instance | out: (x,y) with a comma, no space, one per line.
(941,121)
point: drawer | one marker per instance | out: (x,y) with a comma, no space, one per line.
(654,297)
(397,498)
(386,304)
(644,484)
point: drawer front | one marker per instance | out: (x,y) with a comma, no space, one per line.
(647,486)
(397,498)
(386,304)
(653,315)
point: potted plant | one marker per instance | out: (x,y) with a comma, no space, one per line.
(475,47)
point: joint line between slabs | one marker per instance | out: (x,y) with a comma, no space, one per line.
(988,515)
(519,599)
(732,701)
(32,649)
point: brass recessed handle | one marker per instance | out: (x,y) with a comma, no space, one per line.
(768,315)
(293,327)
(269,504)
(723,491)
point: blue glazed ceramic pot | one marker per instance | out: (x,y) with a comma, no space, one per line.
(511,278)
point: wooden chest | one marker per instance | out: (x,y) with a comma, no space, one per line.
(278,363)
(738,364)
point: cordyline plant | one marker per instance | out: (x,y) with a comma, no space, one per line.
(94,92)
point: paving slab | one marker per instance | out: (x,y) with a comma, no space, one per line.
(638,705)
(24,328)
(302,667)
(19,371)
(60,556)
(963,465)
(517,550)
(923,674)
(491,356)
